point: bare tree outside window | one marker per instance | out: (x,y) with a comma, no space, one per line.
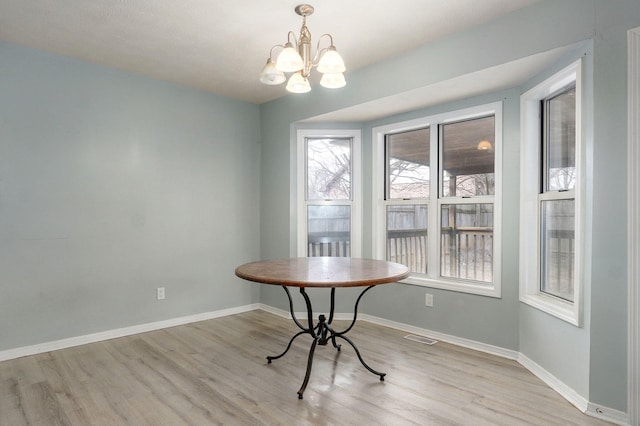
(408,165)
(328,173)
(328,169)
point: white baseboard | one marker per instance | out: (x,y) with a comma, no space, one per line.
(120,332)
(609,415)
(565,391)
(581,403)
(459,341)
(275,311)
(302,315)
(471,344)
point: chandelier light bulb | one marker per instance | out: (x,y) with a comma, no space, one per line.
(271,75)
(333,80)
(298,84)
(289,60)
(331,62)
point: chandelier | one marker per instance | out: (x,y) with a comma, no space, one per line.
(296,58)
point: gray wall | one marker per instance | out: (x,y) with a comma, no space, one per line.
(111,185)
(609,267)
(592,359)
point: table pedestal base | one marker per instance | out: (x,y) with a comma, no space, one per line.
(322,333)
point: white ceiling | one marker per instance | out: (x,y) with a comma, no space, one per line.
(220,46)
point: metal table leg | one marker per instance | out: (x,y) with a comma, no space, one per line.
(322,333)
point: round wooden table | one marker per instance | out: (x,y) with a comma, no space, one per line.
(323,272)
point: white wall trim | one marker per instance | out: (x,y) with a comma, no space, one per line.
(279,312)
(608,414)
(580,402)
(471,344)
(303,315)
(577,400)
(120,332)
(458,341)
(633,217)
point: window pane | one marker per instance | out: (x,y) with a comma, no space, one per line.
(407,236)
(328,169)
(468,157)
(558,248)
(407,164)
(329,231)
(560,141)
(466,241)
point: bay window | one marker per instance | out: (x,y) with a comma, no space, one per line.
(436,195)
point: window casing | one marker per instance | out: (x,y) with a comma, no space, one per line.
(441,173)
(329,213)
(551,212)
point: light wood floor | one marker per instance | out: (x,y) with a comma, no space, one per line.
(215,372)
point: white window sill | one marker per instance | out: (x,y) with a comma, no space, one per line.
(473,287)
(559,308)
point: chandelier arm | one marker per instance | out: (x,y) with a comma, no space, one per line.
(319,52)
(295,40)
(271,51)
(327,35)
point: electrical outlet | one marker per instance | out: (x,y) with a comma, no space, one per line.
(160,293)
(428,300)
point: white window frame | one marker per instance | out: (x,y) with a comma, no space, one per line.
(530,196)
(633,241)
(356,187)
(433,278)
